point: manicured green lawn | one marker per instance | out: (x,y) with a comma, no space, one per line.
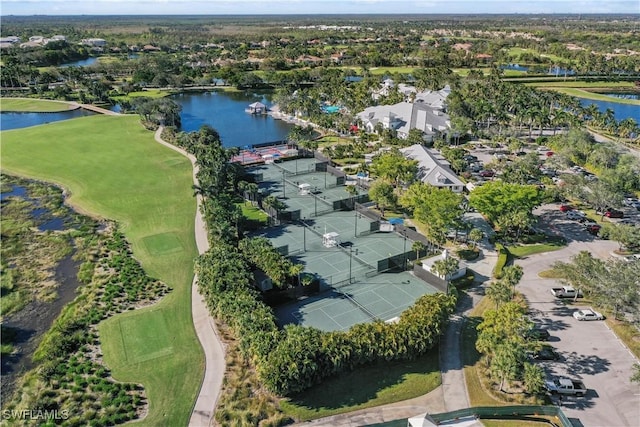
(579,84)
(379,71)
(114,169)
(526,250)
(595,96)
(253,213)
(367,387)
(33,105)
(152,93)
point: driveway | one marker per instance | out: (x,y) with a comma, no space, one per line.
(589,350)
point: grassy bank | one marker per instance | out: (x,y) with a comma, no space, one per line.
(114,169)
(581,93)
(367,387)
(25,105)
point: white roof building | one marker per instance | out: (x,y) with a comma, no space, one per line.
(433,169)
(404,116)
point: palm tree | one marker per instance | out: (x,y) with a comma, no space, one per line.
(418,246)
(271,203)
(499,292)
(475,235)
(353,192)
(444,268)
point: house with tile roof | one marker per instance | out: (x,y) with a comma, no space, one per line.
(433,169)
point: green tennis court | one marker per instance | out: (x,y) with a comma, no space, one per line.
(360,275)
(382,297)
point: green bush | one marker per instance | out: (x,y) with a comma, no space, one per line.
(503,257)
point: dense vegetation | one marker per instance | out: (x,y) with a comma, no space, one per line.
(70,377)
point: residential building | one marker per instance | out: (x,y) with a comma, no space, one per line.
(404,116)
(94,42)
(433,169)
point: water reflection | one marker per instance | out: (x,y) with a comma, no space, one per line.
(22,120)
(225,112)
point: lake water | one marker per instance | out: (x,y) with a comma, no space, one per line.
(516,67)
(22,120)
(81,63)
(620,111)
(224,111)
(623,95)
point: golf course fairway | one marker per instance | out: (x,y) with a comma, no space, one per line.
(25,105)
(114,169)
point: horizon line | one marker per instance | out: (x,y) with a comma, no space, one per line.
(341,14)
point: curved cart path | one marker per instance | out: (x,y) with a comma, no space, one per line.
(214,351)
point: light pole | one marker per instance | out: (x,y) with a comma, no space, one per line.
(284,196)
(404,251)
(355,233)
(315,204)
(350,260)
(304,235)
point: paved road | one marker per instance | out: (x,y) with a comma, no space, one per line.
(214,352)
(589,350)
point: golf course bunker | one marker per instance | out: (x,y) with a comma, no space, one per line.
(147,341)
(162,244)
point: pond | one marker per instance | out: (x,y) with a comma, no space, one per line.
(81,63)
(225,112)
(22,120)
(516,67)
(620,111)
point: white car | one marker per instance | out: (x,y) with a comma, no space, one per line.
(587,314)
(576,215)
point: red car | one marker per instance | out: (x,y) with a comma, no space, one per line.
(487,173)
(549,153)
(593,229)
(614,214)
(565,208)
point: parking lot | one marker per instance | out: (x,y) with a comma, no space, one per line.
(589,351)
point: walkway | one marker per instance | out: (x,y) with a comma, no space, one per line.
(97,109)
(214,351)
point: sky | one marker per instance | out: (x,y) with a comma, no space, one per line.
(260,7)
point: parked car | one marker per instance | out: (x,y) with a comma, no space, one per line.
(566,386)
(487,173)
(546,352)
(538,334)
(587,314)
(566,208)
(629,201)
(565,292)
(593,229)
(576,215)
(614,213)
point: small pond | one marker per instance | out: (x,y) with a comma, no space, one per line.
(81,63)
(22,120)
